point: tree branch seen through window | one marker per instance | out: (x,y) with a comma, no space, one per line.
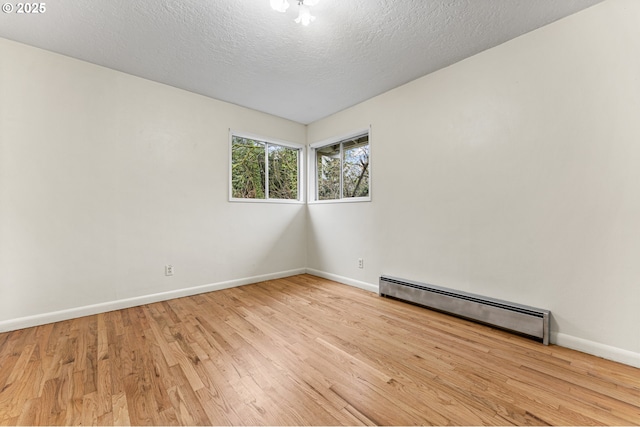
(342,169)
(262,170)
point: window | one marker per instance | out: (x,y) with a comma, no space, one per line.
(264,170)
(342,169)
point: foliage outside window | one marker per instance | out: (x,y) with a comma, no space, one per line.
(262,170)
(342,169)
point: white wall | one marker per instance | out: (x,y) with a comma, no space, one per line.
(106,177)
(513,174)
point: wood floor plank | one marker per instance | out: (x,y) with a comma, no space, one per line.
(75,397)
(300,351)
(90,409)
(29,412)
(21,364)
(103,387)
(187,400)
(49,402)
(6,369)
(120,410)
(140,411)
(215,399)
(106,419)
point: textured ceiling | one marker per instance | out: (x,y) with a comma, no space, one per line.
(243,52)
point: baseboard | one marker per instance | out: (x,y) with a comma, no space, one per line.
(73,313)
(597,349)
(591,347)
(344,280)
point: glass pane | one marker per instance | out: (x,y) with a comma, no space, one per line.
(328,167)
(356,167)
(247,168)
(283,172)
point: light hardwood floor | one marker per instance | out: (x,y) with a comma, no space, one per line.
(299,351)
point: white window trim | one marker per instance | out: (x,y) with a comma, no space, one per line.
(301,169)
(311,162)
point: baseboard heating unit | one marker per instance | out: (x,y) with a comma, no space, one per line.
(530,321)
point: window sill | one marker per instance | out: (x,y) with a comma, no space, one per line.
(271,201)
(345,200)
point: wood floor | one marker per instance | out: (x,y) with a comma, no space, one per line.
(300,351)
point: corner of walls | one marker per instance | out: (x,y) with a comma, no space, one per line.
(344,280)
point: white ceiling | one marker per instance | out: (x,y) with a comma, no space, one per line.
(243,52)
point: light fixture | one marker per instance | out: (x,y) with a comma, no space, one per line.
(280,5)
(305,17)
(304,13)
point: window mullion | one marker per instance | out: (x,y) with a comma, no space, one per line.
(266,171)
(341,171)
(313,157)
(299,177)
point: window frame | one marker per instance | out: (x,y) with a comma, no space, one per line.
(312,177)
(268,141)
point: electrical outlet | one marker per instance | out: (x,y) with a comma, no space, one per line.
(168,270)
(360,263)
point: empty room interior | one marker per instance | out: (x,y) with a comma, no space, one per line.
(269,212)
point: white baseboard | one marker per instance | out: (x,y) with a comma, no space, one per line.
(72,313)
(597,349)
(591,347)
(344,280)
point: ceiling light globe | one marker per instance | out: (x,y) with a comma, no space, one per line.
(280,5)
(305,17)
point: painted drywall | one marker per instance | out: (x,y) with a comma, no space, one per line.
(105,178)
(512,174)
